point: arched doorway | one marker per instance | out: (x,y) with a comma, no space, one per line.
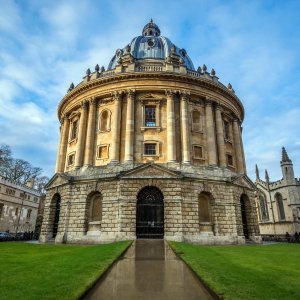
(56,202)
(243,201)
(150,213)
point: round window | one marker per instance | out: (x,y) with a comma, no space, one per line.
(182,52)
(151,42)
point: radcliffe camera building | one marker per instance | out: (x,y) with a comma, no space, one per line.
(150,147)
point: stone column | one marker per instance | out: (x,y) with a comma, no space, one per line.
(81,136)
(115,146)
(63,144)
(237,145)
(210,133)
(171,146)
(91,130)
(129,134)
(243,152)
(185,134)
(57,166)
(220,137)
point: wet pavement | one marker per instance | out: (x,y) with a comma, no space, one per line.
(149,270)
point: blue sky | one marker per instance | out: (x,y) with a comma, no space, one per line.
(254,45)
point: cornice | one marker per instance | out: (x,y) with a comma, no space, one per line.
(121,77)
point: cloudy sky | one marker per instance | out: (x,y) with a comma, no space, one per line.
(254,45)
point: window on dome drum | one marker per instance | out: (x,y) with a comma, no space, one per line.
(71,159)
(150,120)
(280,207)
(150,149)
(198,152)
(196,121)
(104,121)
(74,130)
(227,130)
(229,160)
(103,151)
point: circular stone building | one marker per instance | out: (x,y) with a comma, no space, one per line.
(150,148)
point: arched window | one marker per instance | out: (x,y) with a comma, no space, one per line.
(55,213)
(196,121)
(95,213)
(204,208)
(263,208)
(280,207)
(104,124)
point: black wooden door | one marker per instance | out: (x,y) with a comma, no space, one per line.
(150,214)
(56,216)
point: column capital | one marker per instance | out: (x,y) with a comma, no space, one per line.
(93,101)
(235,118)
(131,93)
(184,95)
(117,95)
(218,106)
(208,101)
(170,93)
(64,118)
(84,104)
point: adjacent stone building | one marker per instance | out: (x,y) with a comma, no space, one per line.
(18,206)
(278,202)
(150,148)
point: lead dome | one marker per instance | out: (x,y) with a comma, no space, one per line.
(152,46)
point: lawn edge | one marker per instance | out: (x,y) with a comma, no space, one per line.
(214,294)
(104,273)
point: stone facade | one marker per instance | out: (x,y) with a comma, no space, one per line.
(150,120)
(278,202)
(18,206)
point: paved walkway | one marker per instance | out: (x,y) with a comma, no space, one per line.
(149,270)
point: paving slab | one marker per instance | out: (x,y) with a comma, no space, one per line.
(149,270)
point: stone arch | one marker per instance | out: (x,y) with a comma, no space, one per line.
(54,214)
(280,206)
(93,211)
(105,120)
(245,209)
(150,213)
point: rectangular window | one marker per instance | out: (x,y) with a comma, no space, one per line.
(150,149)
(71,159)
(229,160)
(150,116)
(28,214)
(74,130)
(103,152)
(198,152)
(17,211)
(227,130)
(1,209)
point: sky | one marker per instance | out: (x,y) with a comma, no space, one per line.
(254,45)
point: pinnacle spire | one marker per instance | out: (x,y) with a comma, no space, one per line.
(267,177)
(257,171)
(285,157)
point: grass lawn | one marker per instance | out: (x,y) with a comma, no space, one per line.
(33,271)
(246,272)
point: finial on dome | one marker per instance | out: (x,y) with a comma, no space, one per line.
(199,70)
(97,68)
(212,72)
(71,87)
(229,86)
(88,72)
(204,68)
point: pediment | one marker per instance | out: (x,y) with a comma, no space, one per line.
(244,181)
(150,171)
(57,180)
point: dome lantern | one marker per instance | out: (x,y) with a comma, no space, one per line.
(151,29)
